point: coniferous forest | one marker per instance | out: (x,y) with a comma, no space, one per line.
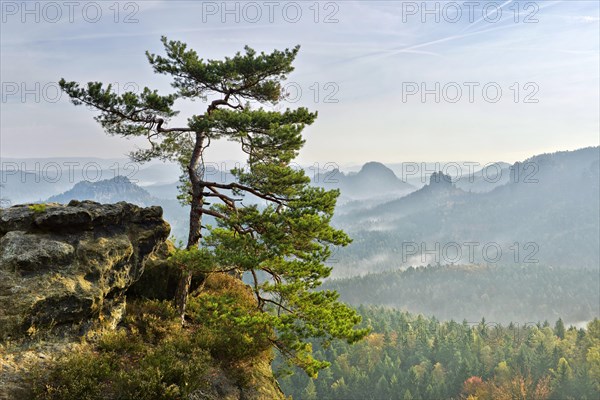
(411,357)
(517,293)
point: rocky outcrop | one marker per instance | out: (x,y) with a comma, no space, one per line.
(70,266)
(65,272)
(441,180)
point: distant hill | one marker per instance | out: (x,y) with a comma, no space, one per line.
(20,186)
(119,188)
(487,178)
(548,205)
(546,213)
(35,179)
(163,190)
(439,192)
(374,180)
(467,175)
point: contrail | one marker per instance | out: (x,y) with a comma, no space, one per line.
(466,28)
(446,39)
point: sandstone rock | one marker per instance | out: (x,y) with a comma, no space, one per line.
(70,266)
(64,274)
(161,277)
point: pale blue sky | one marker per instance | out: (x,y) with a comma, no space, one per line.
(373,52)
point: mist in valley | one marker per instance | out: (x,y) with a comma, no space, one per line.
(500,243)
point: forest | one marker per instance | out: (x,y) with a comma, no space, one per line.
(408,356)
(500,294)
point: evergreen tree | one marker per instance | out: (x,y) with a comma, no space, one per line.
(283,241)
(310,391)
(559,329)
(518,369)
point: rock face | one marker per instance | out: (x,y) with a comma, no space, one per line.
(64,275)
(64,271)
(69,266)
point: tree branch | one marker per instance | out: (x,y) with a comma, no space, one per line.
(234,185)
(213,213)
(277,304)
(159,122)
(226,199)
(257,291)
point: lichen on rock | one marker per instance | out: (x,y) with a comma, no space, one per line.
(71,264)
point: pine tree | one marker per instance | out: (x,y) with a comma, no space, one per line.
(310,391)
(559,329)
(283,241)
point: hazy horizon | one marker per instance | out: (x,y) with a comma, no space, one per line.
(348,165)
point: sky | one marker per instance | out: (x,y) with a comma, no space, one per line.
(392,81)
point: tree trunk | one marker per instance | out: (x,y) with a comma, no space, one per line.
(195,228)
(183,288)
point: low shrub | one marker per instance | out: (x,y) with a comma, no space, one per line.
(150,358)
(228,319)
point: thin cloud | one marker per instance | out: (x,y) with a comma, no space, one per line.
(466,28)
(100,36)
